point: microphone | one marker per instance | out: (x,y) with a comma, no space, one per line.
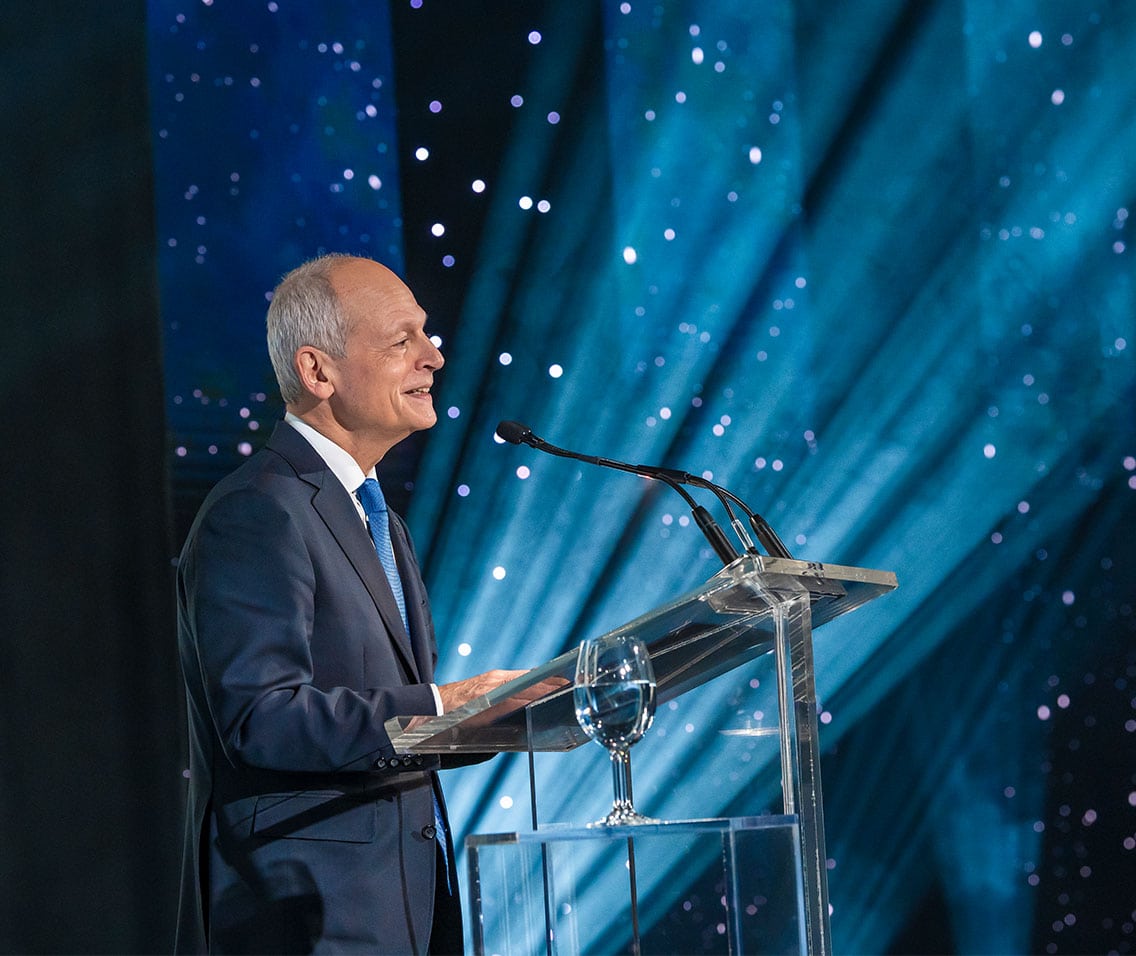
(517,434)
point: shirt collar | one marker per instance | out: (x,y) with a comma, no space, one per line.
(342,465)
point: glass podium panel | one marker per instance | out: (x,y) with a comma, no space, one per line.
(575,890)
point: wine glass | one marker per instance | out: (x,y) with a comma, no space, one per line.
(615,704)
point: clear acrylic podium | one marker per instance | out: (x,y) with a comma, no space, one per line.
(758,605)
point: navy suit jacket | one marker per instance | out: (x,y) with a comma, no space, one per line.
(305,831)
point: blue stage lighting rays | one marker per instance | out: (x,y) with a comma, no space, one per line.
(695,283)
(873,379)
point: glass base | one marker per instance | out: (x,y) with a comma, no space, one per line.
(623,815)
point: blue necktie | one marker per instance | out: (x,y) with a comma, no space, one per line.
(378,521)
(375,505)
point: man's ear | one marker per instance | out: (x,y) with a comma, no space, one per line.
(313,366)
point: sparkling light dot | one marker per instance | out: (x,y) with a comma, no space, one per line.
(478,185)
(506,803)
(422,154)
(523,472)
(453,411)
(696,55)
(989,450)
(1057,97)
(543,206)
(499,573)
(555,371)
(668,234)
(1035,39)
(755,155)
(463,491)
(505,358)
(516,99)
(435,106)
(464,649)
(374,182)
(438,229)
(525,202)
(553,118)
(630,255)
(534,37)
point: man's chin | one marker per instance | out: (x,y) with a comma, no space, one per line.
(423,422)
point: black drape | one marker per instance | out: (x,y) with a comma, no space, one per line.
(90,742)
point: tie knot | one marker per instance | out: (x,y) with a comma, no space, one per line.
(371,497)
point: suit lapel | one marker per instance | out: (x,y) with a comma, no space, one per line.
(337,511)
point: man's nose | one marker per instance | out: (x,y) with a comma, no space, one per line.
(432,355)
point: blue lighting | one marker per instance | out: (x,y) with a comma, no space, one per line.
(869,266)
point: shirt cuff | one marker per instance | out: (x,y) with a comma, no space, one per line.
(437,699)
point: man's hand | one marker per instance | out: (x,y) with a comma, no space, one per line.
(463,691)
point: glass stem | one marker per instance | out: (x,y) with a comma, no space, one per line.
(621,778)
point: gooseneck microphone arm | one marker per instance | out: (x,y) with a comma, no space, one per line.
(517,434)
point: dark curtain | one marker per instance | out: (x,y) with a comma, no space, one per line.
(90,712)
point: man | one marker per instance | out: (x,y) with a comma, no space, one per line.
(305,830)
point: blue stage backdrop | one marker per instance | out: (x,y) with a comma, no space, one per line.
(869,266)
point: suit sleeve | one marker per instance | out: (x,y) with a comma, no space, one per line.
(246,593)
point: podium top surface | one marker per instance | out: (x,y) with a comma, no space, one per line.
(727,621)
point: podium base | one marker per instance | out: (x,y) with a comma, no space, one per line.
(736,886)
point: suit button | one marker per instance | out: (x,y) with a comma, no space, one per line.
(380,763)
(393,761)
(429,831)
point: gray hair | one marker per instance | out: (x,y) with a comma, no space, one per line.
(305,310)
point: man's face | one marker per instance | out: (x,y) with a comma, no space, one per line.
(382,385)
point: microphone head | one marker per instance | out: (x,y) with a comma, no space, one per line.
(514,432)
